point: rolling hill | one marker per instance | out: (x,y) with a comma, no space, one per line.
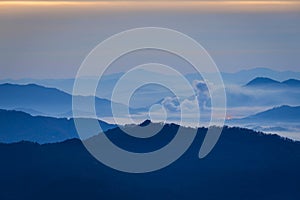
(277,114)
(263,82)
(283,120)
(17,126)
(35,99)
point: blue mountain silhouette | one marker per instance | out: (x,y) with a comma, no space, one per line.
(264,82)
(243,165)
(35,99)
(17,126)
(281,114)
(239,77)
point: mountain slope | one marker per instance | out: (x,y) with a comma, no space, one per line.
(50,101)
(244,76)
(292,83)
(243,165)
(263,82)
(278,114)
(17,126)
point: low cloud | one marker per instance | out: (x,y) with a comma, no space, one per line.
(202,94)
(200,102)
(171,104)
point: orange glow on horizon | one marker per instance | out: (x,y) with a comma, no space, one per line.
(164,2)
(221,5)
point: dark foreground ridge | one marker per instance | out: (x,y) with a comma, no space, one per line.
(243,165)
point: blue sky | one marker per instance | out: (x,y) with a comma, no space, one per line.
(51,41)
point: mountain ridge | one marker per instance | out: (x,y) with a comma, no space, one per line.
(18,126)
(239,77)
(50,101)
(279,113)
(243,165)
(268,82)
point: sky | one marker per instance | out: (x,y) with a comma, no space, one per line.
(50,39)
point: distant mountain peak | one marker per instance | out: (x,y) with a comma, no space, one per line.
(282,106)
(264,81)
(291,82)
(145,123)
(259,81)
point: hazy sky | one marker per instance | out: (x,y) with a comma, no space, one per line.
(50,39)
